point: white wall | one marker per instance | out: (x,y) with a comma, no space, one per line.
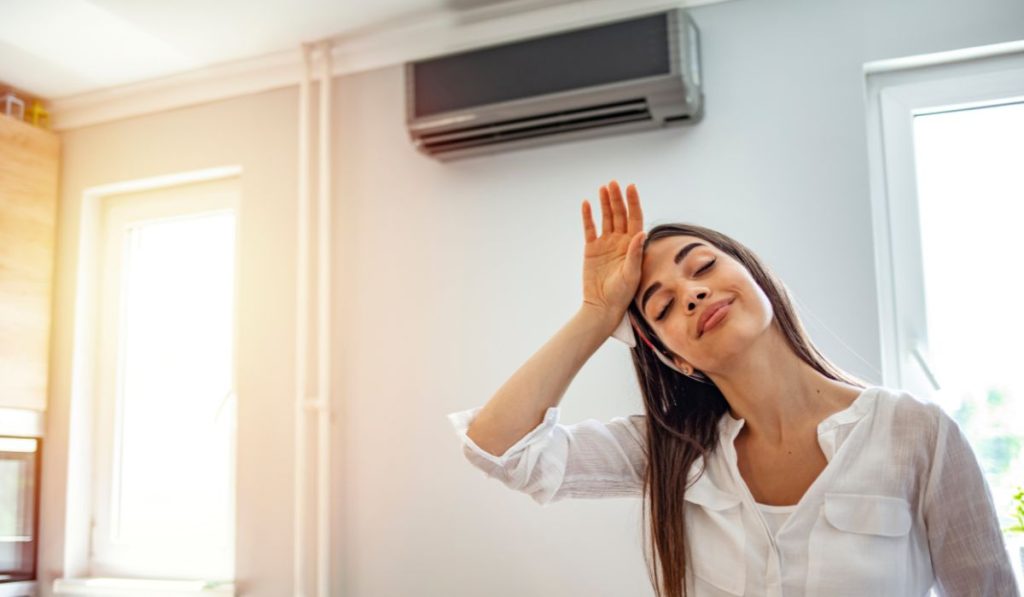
(459,272)
(447,277)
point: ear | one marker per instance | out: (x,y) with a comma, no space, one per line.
(683,365)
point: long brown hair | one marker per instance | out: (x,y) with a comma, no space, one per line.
(683,414)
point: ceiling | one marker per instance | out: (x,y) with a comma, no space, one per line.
(60,48)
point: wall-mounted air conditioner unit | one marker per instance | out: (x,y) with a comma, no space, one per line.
(629,75)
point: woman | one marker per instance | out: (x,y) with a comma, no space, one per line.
(801,479)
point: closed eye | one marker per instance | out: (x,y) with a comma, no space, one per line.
(697,273)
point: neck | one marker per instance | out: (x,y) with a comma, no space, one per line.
(780,397)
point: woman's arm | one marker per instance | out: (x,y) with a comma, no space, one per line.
(611,274)
(554,461)
(520,404)
(516,436)
(968,554)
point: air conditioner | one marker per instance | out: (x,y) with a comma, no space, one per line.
(625,76)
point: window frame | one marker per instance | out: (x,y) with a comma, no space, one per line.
(895,92)
(117,213)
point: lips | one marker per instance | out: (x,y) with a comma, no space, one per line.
(708,312)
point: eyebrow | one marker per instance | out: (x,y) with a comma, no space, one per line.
(654,287)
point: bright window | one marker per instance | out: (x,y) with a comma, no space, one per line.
(946,141)
(164,501)
(971,205)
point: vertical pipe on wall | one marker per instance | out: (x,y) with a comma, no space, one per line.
(324,327)
(301,334)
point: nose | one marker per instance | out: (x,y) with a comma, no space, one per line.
(696,294)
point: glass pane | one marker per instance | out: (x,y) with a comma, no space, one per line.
(18,473)
(971,195)
(173,480)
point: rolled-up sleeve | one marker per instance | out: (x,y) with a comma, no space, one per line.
(969,556)
(590,459)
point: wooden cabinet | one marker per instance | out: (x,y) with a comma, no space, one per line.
(28,209)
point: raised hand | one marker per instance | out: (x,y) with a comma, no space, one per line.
(611,261)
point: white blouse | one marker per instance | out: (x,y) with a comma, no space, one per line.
(775,515)
(901,507)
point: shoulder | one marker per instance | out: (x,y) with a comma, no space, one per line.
(636,425)
(910,415)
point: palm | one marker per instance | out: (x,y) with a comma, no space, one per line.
(609,280)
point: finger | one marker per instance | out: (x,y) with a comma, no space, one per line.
(618,207)
(636,215)
(606,212)
(589,234)
(636,252)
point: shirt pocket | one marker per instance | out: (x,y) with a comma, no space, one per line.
(716,540)
(859,546)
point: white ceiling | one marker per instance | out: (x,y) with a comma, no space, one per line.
(60,48)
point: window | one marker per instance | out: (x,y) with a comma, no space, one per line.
(947,142)
(970,202)
(163,491)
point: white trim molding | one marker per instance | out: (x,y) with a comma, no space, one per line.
(948,57)
(160,182)
(22,422)
(415,37)
(131,587)
(895,92)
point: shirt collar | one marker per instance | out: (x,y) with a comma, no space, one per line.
(729,427)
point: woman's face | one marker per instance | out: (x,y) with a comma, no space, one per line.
(681,277)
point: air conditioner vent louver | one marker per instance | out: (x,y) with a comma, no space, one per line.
(538,126)
(629,75)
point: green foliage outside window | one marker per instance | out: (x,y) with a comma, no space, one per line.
(991,425)
(1018,513)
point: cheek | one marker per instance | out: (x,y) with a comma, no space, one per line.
(756,306)
(674,336)
(753,318)
(762,309)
